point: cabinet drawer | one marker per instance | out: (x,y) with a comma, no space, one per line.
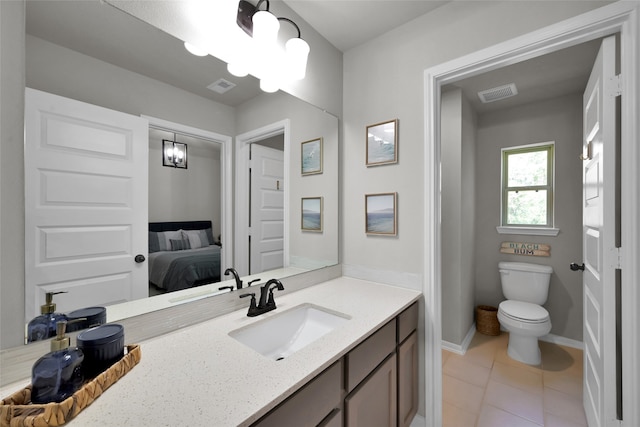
(311,404)
(407,322)
(363,359)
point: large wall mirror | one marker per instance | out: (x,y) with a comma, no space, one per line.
(97,54)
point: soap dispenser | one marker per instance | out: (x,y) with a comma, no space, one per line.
(44,326)
(58,374)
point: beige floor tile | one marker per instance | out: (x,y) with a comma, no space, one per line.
(490,416)
(564,406)
(515,376)
(482,349)
(503,357)
(456,417)
(551,420)
(487,384)
(518,402)
(461,394)
(557,358)
(445,356)
(566,382)
(459,367)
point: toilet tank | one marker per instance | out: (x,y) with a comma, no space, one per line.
(526,282)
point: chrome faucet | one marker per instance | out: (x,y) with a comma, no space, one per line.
(267,301)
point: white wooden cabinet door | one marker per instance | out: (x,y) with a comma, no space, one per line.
(86,203)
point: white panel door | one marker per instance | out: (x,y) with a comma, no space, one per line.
(86,203)
(599,252)
(267,209)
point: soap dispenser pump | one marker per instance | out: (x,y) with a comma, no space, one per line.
(44,326)
(58,374)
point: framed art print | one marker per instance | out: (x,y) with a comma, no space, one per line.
(311,157)
(311,214)
(380,212)
(382,143)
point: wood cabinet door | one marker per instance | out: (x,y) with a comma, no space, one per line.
(408,380)
(374,402)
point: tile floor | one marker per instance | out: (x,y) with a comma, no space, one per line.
(486,388)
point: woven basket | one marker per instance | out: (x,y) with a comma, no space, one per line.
(18,411)
(487,320)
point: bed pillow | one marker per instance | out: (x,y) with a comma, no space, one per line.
(210,235)
(165,237)
(154,243)
(196,238)
(179,244)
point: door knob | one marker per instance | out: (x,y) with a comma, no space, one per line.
(139,258)
(575,267)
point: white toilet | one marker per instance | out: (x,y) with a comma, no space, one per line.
(526,287)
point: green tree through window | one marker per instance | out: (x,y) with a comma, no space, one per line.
(527,186)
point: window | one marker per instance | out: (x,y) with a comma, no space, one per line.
(527,186)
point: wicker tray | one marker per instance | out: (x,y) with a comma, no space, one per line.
(487,320)
(18,411)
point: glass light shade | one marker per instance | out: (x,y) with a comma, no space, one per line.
(195,50)
(238,68)
(265,27)
(269,85)
(169,153)
(296,51)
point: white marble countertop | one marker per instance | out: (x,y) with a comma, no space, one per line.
(201,376)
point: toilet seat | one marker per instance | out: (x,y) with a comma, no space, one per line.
(524,312)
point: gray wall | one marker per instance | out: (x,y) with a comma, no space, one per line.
(458,138)
(558,120)
(306,249)
(384,79)
(168,200)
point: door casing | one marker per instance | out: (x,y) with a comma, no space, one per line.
(242,143)
(620,17)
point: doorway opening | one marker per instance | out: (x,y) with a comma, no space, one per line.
(605,21)
(258,246)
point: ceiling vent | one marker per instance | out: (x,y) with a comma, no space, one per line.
(221,86)
(498,93)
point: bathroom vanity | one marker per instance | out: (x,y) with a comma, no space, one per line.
(365,368)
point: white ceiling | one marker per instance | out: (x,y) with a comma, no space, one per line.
(97,29)
(349,23)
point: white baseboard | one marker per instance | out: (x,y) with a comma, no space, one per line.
(460,349)
(568,342)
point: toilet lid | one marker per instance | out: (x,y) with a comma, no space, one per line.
(524,311)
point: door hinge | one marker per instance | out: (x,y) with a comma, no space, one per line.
(614,88)
(617,258)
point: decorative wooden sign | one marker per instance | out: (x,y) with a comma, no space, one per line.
(520,248)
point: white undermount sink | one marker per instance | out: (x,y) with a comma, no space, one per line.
(282,334)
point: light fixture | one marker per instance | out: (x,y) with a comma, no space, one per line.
(195,50)
(262,56)
(174,154)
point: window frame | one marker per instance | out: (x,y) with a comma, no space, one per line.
(549,147)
